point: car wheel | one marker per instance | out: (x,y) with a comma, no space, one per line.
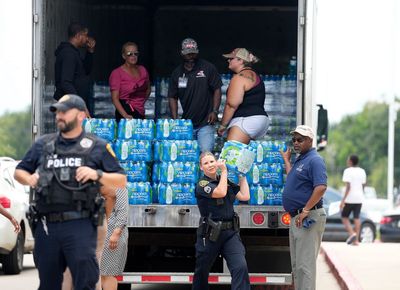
(14,261)
(367,233)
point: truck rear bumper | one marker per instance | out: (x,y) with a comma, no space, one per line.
(214,278)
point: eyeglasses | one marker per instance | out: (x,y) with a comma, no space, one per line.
(130,53)
(298,140)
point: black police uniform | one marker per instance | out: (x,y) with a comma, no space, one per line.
(66,232)
(228,243)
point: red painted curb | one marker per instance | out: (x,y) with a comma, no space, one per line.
(342,274)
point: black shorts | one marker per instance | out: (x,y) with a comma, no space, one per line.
(351,207)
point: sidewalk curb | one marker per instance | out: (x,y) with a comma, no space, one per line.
(342,274)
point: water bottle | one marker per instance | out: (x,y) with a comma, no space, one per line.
(170,172)
(88,126)
(168,195)
(173,152)
(260,195)
(128,129)
(260,153)
(256,174)
(124,150)
(293,65)
(165,129)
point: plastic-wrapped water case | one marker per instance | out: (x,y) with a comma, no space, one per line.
(176,150)
(174,129)
(265,194)
(103,128)
(266,174)
(134,150)
(238,156)
(178,171)
(176,193)
(268,151)
(139,192)
(136,129)
(135,170)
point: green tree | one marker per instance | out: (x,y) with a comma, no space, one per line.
(15,133)
(364,134)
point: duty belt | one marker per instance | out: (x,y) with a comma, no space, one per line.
(227,225)
(56,217)
(298,211)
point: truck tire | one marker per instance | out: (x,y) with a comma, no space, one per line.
(124,286)
(14,261)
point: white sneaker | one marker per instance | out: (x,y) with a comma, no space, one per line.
(351,239)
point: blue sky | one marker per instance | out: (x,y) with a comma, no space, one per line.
(357,59)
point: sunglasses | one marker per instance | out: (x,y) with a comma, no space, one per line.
(298,140)
(130,53)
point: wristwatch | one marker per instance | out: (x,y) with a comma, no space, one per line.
(99,174)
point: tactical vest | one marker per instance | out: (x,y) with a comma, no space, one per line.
(57,184)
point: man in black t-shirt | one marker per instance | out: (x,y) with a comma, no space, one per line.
(197,85)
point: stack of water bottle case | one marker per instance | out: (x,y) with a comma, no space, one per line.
(162,161)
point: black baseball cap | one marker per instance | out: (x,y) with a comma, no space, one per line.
(68,102)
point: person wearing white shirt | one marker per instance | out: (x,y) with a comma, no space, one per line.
(355,179)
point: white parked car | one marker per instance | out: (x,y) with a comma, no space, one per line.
(14,197)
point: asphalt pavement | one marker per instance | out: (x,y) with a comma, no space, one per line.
(339,266)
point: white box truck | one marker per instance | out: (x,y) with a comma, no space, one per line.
(162,237)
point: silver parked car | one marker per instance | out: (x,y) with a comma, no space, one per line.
(14,197)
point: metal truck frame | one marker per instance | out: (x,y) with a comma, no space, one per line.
(161,242)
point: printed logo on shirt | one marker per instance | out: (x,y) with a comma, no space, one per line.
(300,168)
(200,74)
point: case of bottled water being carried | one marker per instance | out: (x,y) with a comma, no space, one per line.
(178,172)
(134,150)
(103,128)
(139,192)
(174,129)
(176,150)
(238,156)
(136,129)
(136,171)
(176,193)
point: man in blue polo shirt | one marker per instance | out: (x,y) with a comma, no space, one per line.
(302,198)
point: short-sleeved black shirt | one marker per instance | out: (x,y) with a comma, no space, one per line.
(197,98)
(220,208)
(101,157)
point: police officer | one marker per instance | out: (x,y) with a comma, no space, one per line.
(66,170)
(218,233)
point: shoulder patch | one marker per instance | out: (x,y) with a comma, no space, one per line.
(86,142)
(203,183)
(110,150)
(207,189)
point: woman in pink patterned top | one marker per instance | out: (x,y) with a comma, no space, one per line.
(129,85)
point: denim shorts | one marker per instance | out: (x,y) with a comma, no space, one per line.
(255,127)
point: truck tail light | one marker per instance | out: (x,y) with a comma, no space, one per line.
(286,219)
(5,202)
(258,218)
(386,220)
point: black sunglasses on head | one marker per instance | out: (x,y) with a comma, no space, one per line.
(130,53)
